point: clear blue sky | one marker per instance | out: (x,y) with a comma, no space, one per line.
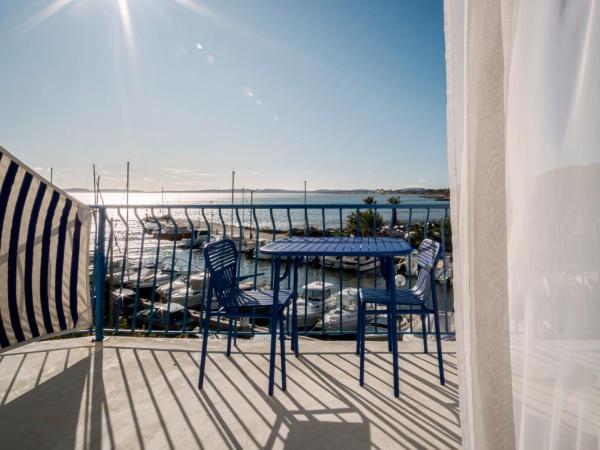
(345,94)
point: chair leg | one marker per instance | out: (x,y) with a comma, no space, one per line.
(438,341)
(235,330)
(359,328)
(424,331)
(282,343)
(289,323)
(273,323)
(295,328)
(204,348)
(229,336)
(361,325)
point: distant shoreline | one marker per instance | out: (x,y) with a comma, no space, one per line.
(437,194)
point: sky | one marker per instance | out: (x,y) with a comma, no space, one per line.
(344,94)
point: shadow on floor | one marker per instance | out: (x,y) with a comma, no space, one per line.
(56,402)
(145,396)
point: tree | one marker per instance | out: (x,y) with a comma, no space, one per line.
(369,200)
(363,222)
(393,200)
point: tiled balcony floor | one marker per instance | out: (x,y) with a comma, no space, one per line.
(141,393)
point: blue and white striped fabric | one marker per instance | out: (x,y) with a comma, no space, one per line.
(44,240)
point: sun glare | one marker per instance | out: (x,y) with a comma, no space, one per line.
(126,22)
(46,13)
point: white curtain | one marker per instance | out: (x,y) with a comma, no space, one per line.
(524,158)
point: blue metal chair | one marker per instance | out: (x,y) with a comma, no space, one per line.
(407,300)
(221,259)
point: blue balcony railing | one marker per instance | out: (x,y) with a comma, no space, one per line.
(148,275)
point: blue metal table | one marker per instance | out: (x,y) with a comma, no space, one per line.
(302,247)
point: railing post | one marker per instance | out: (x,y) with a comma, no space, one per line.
(100,274)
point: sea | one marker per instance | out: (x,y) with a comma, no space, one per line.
(329,218)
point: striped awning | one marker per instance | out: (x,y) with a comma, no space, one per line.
(44,243)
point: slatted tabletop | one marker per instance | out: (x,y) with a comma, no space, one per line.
(337,246)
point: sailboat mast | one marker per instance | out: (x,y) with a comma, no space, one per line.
(243,209)
(127,194)
(251,205)
(94,184)
(162,198)
(232,189)
(305,192)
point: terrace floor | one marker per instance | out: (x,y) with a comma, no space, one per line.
(141,393)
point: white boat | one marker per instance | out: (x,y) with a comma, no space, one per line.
(242,244)
(198,238)
(403,263)
(345,315)
(318,300)
(439,270)
(179,295)
(402,267)
(182,286)
(400,280)
(170,232)
(195,282)
(350,263)
(146,277)
(417,326)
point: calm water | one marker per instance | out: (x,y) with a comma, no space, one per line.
(331,218)
(182,198)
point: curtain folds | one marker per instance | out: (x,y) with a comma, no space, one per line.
(524,161)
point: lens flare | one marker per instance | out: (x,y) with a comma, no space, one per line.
(126,23)
(45,14)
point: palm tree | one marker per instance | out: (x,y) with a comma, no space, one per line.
(364,221)
(393,200)
(369,200)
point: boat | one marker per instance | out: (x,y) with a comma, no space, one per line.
(417,326)
(146,280)
(400,280)
(344,317)
(124,302)
(152,224)
(197,239)
(170,232)
(174,315)
(194,298)
(351,263)
(116,268)
(195,283)
(183,286)
(403,262)
(440,276)
(318,300)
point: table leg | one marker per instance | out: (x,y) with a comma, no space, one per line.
(276,266)
(393,329)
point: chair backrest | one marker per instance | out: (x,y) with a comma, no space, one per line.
(427,258)
(220,258)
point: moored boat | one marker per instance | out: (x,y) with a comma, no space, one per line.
(314,300)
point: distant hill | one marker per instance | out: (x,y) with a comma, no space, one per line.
(77,189)
(417,191)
